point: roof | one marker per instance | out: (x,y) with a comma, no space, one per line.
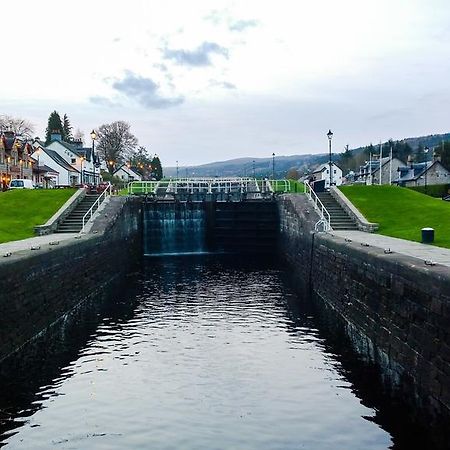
(128,170)
(414,171)
(85,152)
(324,166)
(59,160)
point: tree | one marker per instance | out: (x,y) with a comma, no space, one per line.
(444,152)
(19,126)
(115,143)
(292,174)
(157,171)
(54,125)
(67,127)
(78,135)
(142,162)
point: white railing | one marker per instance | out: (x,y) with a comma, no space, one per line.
(209,186)
(325,220)
(97,203)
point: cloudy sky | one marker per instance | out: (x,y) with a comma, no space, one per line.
(208,80)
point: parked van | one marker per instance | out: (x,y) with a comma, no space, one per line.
(20,183)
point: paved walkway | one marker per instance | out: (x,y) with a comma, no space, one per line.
(38,241)
(415,249)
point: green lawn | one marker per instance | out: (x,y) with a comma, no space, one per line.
(402,212)
(23,209)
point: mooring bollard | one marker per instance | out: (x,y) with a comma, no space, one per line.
(427,235)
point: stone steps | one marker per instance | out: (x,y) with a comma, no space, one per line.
(73,223)
(339,219)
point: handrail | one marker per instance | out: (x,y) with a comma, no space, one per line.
(210,185)
(325,218)
(97,202)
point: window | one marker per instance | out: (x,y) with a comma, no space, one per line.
(335,171)
(328,171)
(74,160)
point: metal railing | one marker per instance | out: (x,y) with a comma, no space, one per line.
(97,203)
(224,185)
(325,219)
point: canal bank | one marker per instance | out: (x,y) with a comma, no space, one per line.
(40,284)
(395,308)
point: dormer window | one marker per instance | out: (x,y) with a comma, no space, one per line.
(74,160)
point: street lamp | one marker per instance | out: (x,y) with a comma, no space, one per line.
(426,150)
(8,159)
(330,136)
(273,166)
(94,162)
(177,169)
(81,163)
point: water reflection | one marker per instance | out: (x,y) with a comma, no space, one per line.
(201,353)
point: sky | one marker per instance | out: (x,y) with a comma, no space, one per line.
(209,80)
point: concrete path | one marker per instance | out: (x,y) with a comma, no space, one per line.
(38,241)
(415,249)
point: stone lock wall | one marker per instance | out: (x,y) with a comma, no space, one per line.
(38,287)
(395,309)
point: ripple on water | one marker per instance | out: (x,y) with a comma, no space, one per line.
(208,357)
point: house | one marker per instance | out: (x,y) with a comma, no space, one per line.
(127,174)
(73,163)
(421,174)
(84,159)
(322,172)
(15,159)
(60,172)
(369,173)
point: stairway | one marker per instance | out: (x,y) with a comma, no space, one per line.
(340,220)
(74,221)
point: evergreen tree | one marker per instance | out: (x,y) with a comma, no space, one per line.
(420,154)
(444,152)
(67,127)
(54,124)
(157,168)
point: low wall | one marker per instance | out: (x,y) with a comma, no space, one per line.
(38,287)
(395,309)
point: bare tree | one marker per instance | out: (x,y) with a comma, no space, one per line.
(19,126)
(116,143)
(78,135)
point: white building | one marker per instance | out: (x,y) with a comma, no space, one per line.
(322,172)
(63,173)
(74,163)
(127,174)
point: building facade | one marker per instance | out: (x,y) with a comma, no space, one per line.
(322,172)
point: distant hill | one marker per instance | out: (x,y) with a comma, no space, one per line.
(263,166)
(430,141)
(244,166)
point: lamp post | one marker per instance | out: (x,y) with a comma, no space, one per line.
(254,173)
(21,168)
(94,162)
(177,169)
(38,173)
(426,150)
(81,163)
(8,159)
(330,136)
(273,166)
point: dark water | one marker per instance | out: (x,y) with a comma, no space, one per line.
(200,353)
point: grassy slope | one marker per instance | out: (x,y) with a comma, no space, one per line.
(22,209)
(402,212)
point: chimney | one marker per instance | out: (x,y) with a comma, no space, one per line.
(55,135)
(410,161)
